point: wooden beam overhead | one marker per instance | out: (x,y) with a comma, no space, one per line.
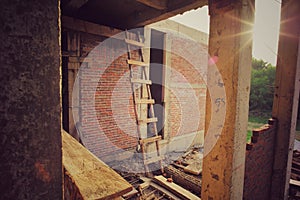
(88,27)
(157,4)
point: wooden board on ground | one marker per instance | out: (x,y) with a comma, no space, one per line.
(194,168)
(294,182)
(93,178)
(130,194)
(176,189)
(165,191)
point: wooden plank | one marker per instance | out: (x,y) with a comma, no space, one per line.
(138,63)
(176,189)
(165,191)
(94,179)
(296,164)
(88,27)
(130,194)
(294,182)
(144,185)
(295,171)
(148,120)
(194,168)
(145,101)
(135,43)
(153,160)
(142,81)
(178,165)
(150,140)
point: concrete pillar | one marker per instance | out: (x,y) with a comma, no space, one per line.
(285,105)
(30,138)
(230,45)
(73,46)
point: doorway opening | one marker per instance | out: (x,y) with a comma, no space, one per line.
(157,71)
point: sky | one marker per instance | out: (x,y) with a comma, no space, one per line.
(265,30)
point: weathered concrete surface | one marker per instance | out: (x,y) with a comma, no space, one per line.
(230,43)
(285,105)
(30,138)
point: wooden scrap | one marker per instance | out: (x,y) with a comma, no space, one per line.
(164,191)
(130,194)
(294,182)
(93,178)
(194,168)
(176,189)
(178,165)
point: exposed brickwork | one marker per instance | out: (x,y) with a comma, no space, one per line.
(187,86)
(107,112)
(259,162)
(106,98)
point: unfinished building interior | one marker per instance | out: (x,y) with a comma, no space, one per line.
(70,66)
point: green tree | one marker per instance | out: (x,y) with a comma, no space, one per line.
(258,64)
(262,86)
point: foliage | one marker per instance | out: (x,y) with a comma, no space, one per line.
(259,120)
(262,86)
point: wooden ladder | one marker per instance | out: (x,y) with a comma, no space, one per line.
(140,97)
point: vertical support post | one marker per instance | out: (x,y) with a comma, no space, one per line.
(30,138)
(285,106)
(73,67)
(230,42)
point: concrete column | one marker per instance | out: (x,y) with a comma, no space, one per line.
(74,93)
(285,105)
(230,45)
(30,138)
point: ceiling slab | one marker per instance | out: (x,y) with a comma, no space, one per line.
(157,4)
(127,14)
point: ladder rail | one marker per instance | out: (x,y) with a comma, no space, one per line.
(132,86)
(151,106)
(145,83)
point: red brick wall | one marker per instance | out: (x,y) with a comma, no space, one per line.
(187,86)
(107,113)
(259,163)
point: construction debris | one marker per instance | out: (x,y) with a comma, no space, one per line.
(181,180)
(191,162)
(174,188)
(295,177)
(188,181)
(86,176)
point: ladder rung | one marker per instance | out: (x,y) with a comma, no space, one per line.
(133,80)
(144,101)
(153,159)
(148,120)
(138,63)
(150,140)
(135,43)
